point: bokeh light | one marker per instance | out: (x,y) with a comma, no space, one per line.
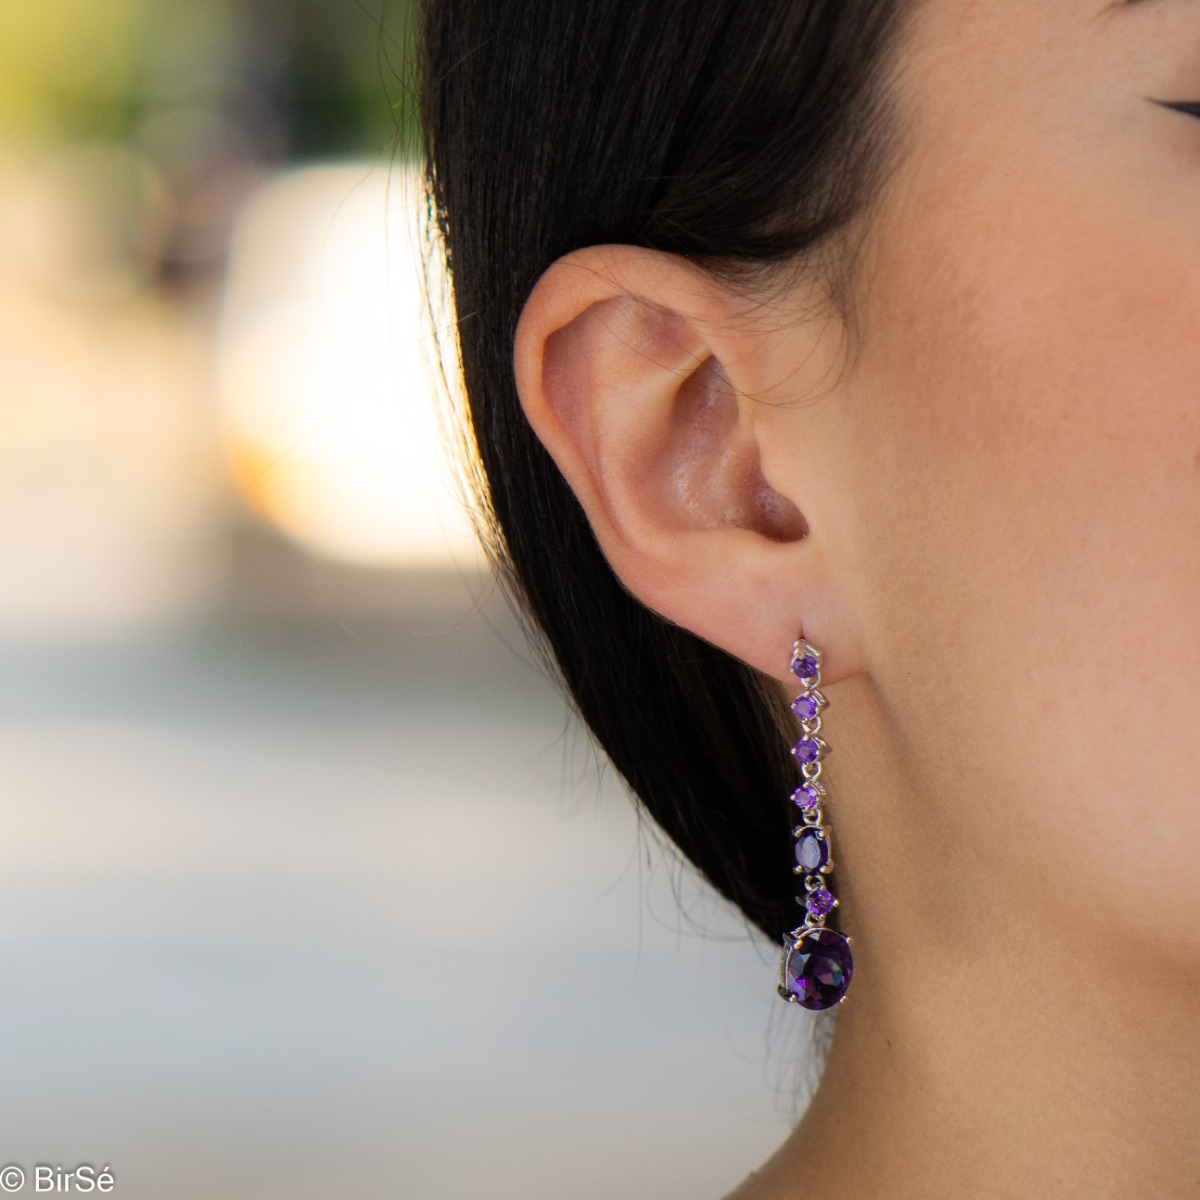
(325,369)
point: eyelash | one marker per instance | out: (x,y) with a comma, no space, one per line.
(1190,107)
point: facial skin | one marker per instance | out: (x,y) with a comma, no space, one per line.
(981,500)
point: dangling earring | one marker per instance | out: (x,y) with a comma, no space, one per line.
(815,968)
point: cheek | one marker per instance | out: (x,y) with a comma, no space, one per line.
(1030,492)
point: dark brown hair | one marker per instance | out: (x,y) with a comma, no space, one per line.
(749,139)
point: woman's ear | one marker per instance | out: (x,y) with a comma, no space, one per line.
(653,394)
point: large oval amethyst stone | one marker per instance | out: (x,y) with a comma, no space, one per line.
(812,850)
(818,969)
(805,706)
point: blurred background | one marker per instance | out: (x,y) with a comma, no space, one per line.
(309,885)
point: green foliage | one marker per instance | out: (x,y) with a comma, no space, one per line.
(352,74)
(336,72)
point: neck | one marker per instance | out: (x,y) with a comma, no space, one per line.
(984,1048)
(1013,1071)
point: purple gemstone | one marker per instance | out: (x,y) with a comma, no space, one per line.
(818,969)
(804,666)
(812,850)
(805,751)
(819,902)
(806,797)
(805,707)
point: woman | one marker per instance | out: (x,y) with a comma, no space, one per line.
(874,323)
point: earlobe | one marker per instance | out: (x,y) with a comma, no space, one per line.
(626,364)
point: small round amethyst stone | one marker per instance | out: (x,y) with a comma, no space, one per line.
(806,797)
(812,850)
(805,751)
(819,902)
(805,707)
(804,666)
(818,969)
